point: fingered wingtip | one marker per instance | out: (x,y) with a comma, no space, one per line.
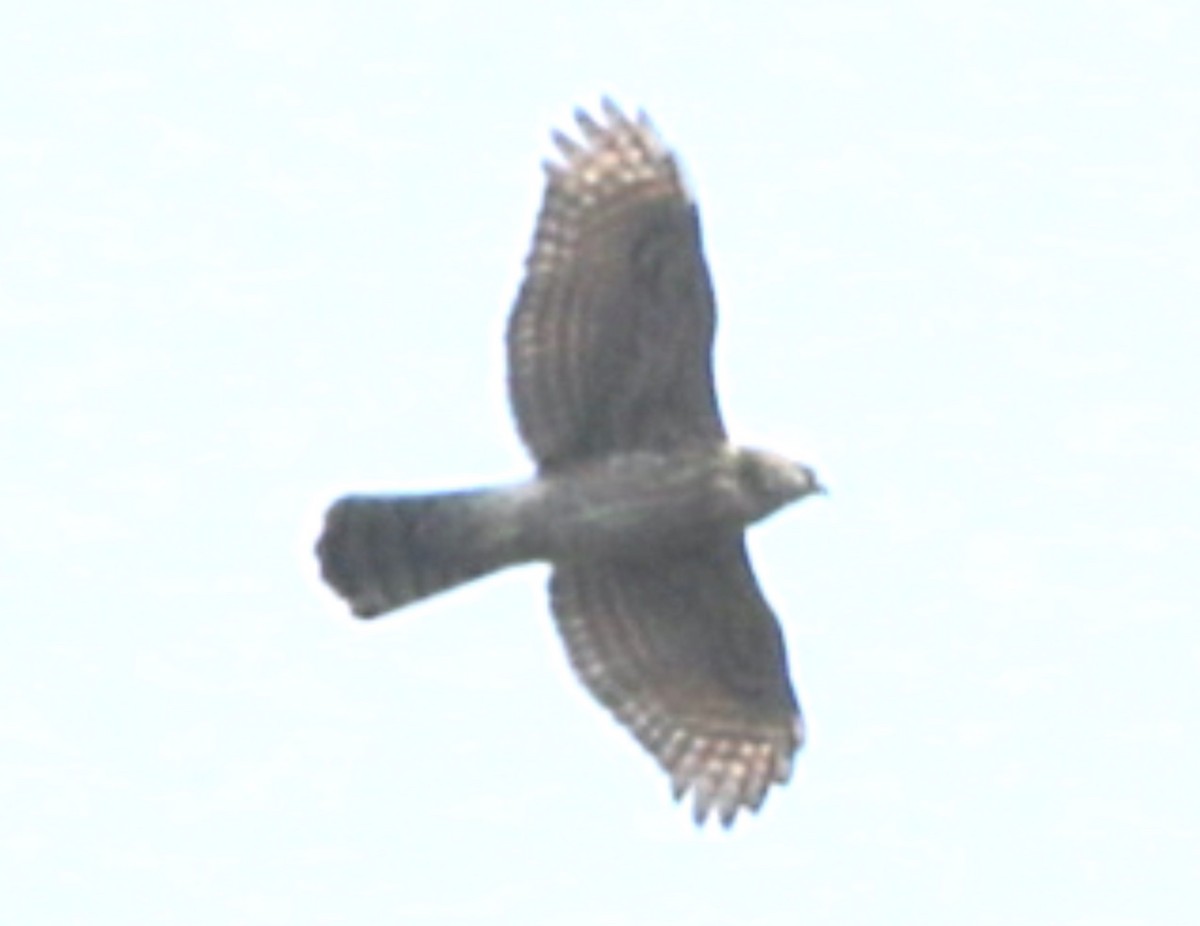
(570,148)
(592,130)
(612,111)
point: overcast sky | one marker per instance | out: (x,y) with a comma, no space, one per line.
(255,255)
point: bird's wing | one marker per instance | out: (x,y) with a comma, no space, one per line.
(686,653)
(610,340)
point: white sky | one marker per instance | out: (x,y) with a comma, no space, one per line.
(254,255)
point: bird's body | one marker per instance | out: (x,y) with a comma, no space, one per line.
(631,506)
(639,502)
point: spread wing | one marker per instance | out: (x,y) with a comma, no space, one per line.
(687,654)
(610,341)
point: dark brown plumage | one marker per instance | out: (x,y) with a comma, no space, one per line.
(610,342)
(640,504)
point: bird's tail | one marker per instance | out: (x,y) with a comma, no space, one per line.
(383,552)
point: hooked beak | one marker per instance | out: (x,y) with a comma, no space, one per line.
(816,486)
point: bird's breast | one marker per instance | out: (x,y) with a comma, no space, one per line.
(625,504)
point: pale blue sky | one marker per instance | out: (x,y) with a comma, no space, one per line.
(254,255)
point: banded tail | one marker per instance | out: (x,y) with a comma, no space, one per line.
(381,552)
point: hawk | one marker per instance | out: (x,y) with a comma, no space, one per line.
(639,502)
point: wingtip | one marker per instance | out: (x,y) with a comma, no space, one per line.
(612,111)
(592,130)
(570,148)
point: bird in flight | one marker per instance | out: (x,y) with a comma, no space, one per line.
(639,502)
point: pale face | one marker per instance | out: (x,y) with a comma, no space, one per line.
(776,479)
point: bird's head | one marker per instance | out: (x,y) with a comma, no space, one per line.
(774,480)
